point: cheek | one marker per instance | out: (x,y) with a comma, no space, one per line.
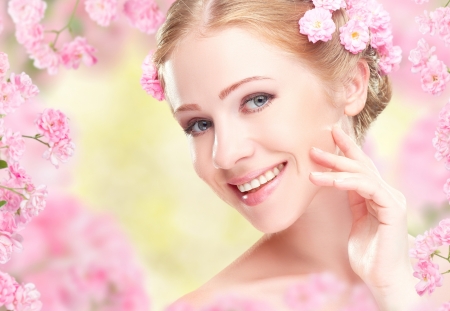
(201,157)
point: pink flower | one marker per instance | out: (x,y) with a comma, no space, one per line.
(314,293)
(4,65)
(149,80)
(434,76)
(7,289)
(426,24)
(60,151)
(428,274)
(45,58)
(420,55)
(7,222)
(26,12)
(53,124)
(420,1)
(27,298)
(442,232)
(332,5)
(101,11)
(441,19)
(12,199)
(33,205)
(424,246)
(10,98)
(9,244)
(317,24)
(380,38)
(354,36)
(441,141)
(445,307)
(18,174)
(24,85)
(447,189)
(76,51)
(29,35)
(226,303)
(361,300)
(15,145)
(390,58)
(144,15)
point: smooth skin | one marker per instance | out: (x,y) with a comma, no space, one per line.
(247,105)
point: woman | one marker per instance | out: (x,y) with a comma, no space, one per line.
(275,120)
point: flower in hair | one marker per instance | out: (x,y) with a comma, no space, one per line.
(149,80)
(317,25)
(354,36)
(369,23)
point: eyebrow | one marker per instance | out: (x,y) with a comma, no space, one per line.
(222,95)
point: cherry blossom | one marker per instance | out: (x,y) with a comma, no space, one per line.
(60,151)
(26,12)
(8,288)
(434,76)
(332,5)
(4,65)
(26,298)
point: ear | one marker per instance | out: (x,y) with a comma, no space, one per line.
(356,89)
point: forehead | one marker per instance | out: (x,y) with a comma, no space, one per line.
(200,67)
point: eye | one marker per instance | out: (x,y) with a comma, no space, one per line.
(255,103)
(198,127)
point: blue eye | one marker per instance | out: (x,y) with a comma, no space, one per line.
(198,126)
(257,102)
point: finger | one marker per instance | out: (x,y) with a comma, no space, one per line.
(336,162)
(369,188)
(348,147)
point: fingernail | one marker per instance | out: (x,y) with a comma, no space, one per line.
(316,173)
(339,180)
(317,149)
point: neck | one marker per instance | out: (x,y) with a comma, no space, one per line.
(318,240)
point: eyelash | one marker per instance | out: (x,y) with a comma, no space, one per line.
(188,130)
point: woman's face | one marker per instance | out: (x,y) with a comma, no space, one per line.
(251,112)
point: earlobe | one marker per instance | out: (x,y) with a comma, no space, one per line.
(356,89)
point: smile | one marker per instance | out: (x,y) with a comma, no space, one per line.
(253,190)
(259,181)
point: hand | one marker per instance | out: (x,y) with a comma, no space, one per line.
(378,241)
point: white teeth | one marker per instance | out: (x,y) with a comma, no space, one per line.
(269,175)
(262,179)
(247,187)
(255,183)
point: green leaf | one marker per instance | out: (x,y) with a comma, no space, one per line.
(2,203)
(3,164)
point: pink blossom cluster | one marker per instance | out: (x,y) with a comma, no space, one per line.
(144,15)
(149,80)
(80,261)
(314,293)
(369,23)
(54,126)
(434,73)
(27,16)
(441,140)
(18,297)
(425,248)
(436,22)
(319,291)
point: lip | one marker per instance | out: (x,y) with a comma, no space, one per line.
(255,198)
(252,175)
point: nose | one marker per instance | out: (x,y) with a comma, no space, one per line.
(231,144)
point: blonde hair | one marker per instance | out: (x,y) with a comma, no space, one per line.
(276,22)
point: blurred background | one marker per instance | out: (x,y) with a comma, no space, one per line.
(130,202)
